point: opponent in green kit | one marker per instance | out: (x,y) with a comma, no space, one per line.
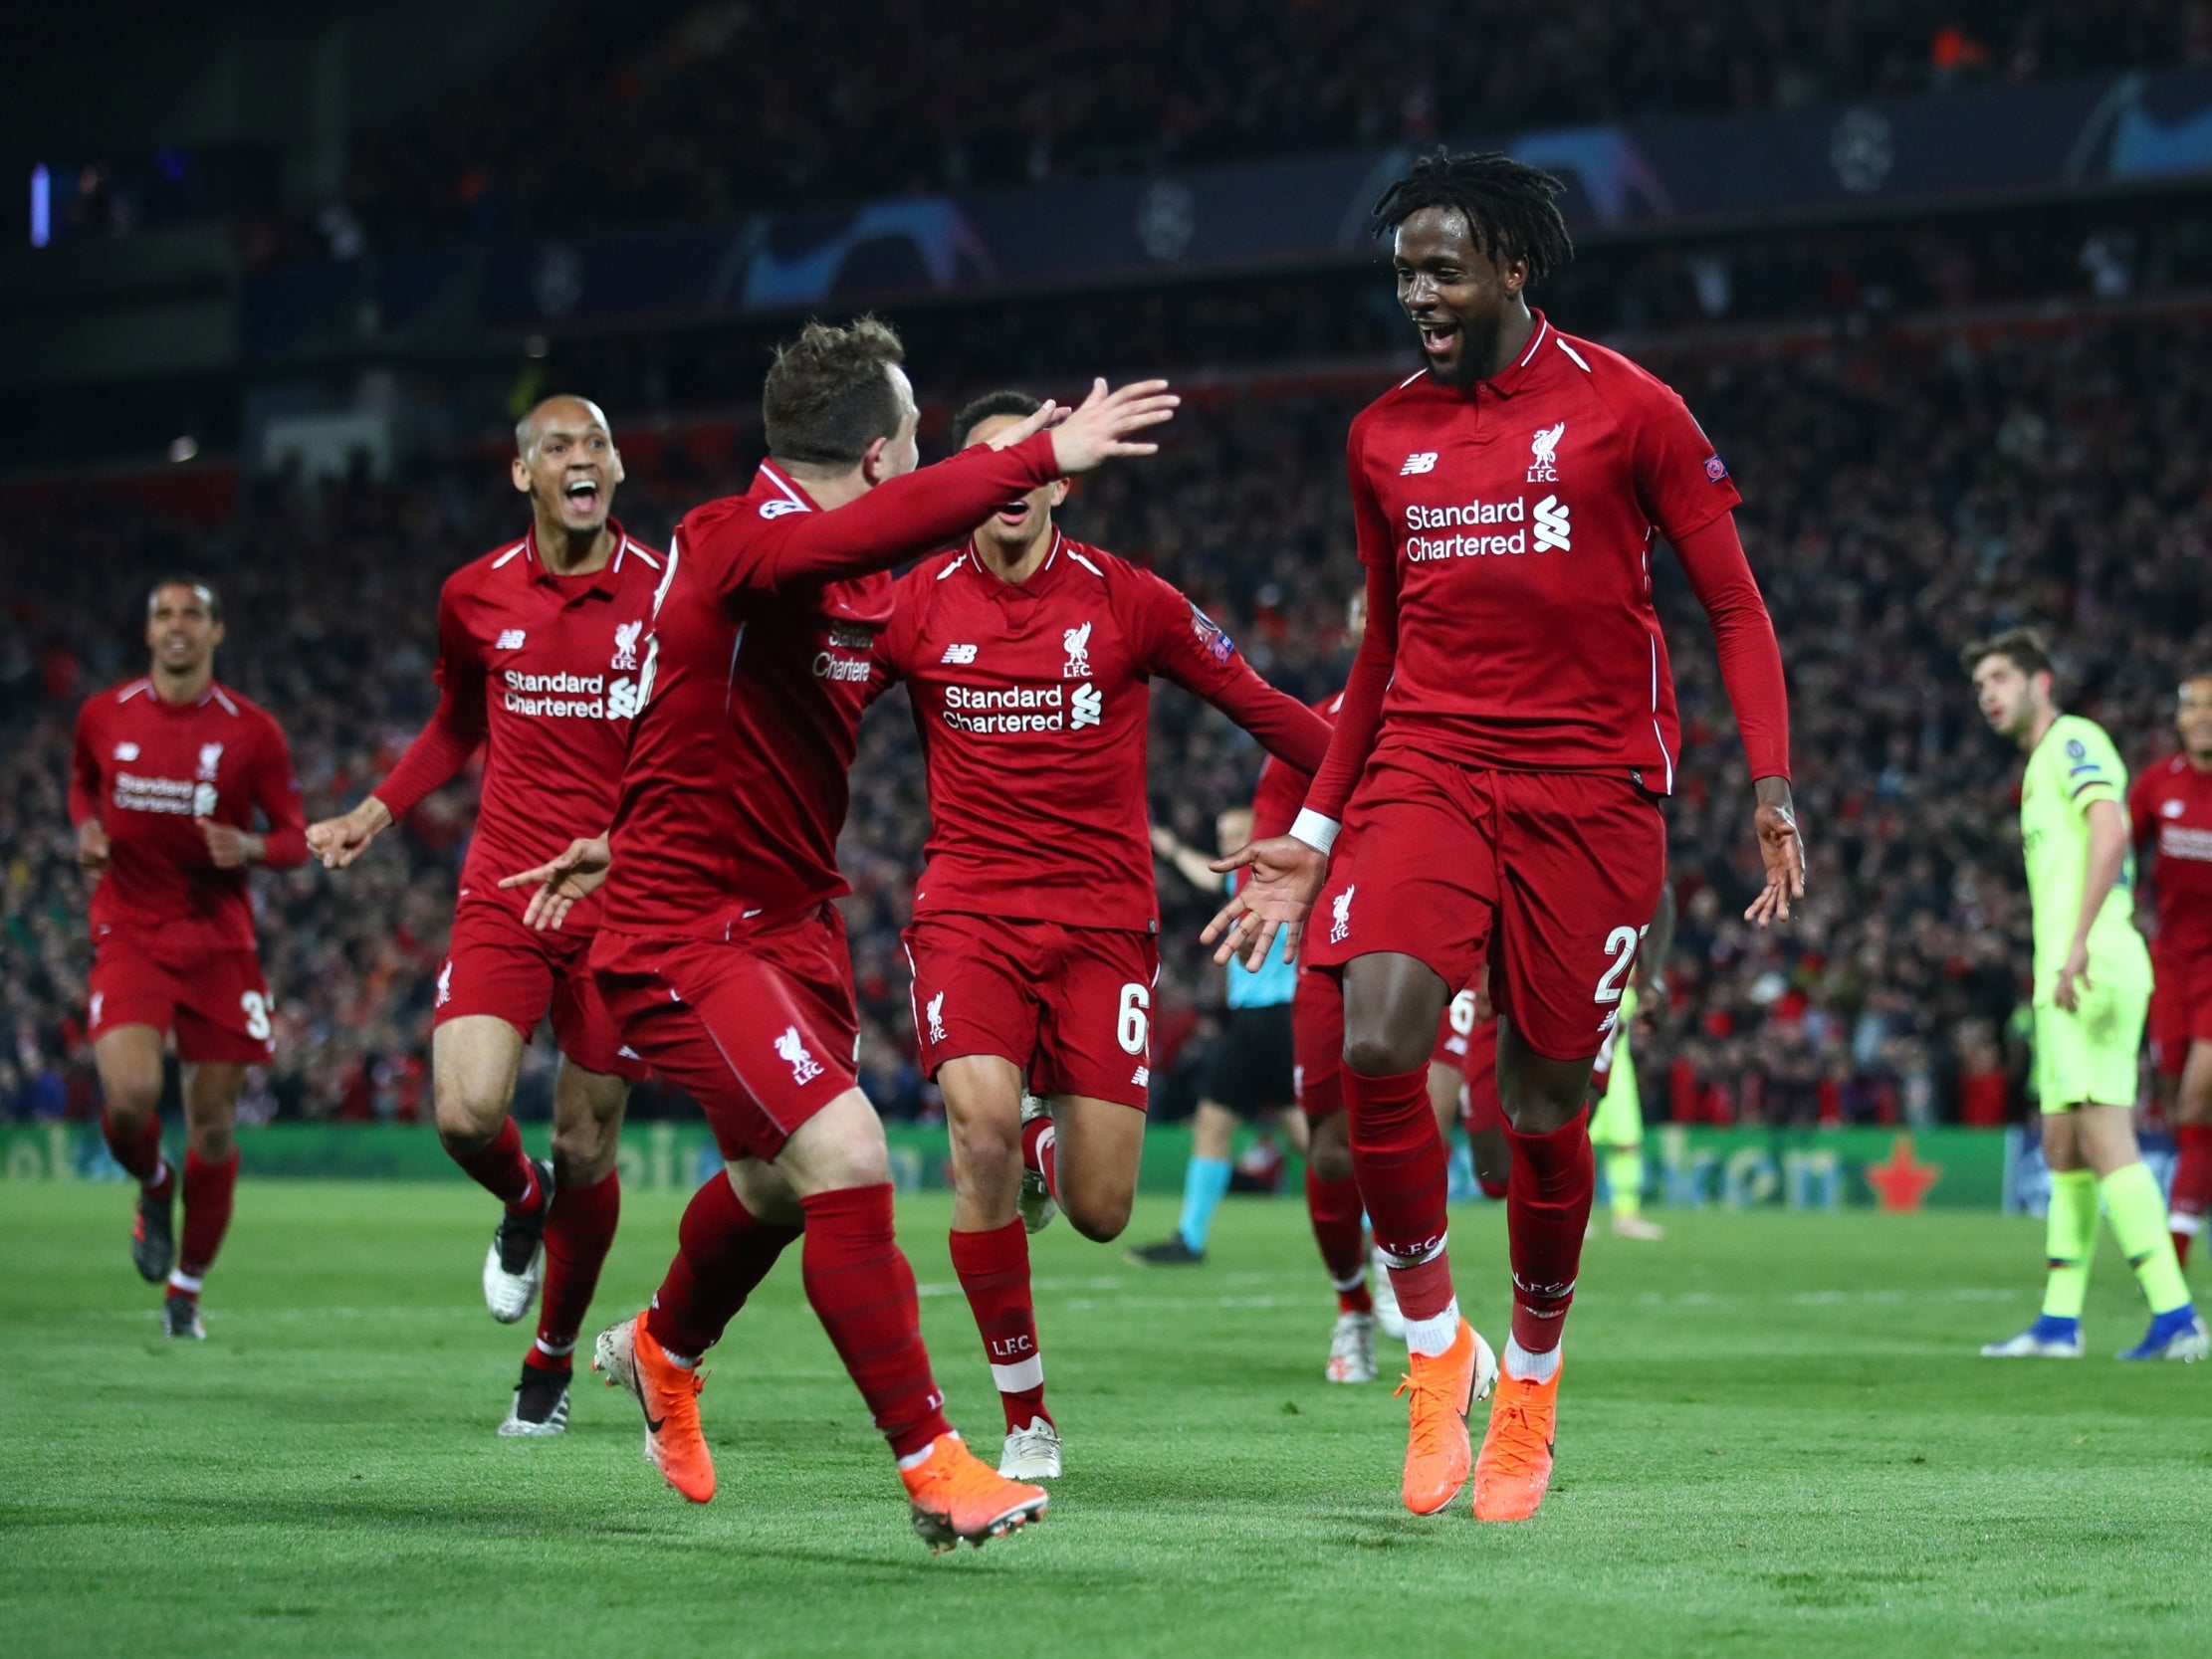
(1616,1103)
(2092,992)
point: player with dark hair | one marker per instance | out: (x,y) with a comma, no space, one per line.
(1029,658)
(719,948)
(2092,992)
(539,657)
(2169,811)
(1507,736)
(169,771)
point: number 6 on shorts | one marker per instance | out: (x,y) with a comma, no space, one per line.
(1133,1030)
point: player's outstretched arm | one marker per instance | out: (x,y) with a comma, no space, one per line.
(1283,878)
(576,873)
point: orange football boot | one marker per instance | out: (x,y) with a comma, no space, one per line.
(1444,1389)
(957,1498)
(629,1358)
(1512,1475)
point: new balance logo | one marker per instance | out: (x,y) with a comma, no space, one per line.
(960,655)
(936,1012)
(509,639)
(1424,462)
(129,751)
(1084,708)
(1551,527)
(1143,1077)
(791,1049)
(1341,916)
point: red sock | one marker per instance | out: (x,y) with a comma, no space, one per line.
(2192,1184)
(208,1191)
(503,1168)
(863,1292)
(580,1229)
(994,1269)
(722,1250)
(1335,1209)
(1404,1175)
(139,1151)
(1040,1150)
(1547,1207)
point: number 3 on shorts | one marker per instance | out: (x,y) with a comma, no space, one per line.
(1134,1028)
(257,1015)
(1620,944)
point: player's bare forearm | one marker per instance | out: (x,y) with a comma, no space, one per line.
(2107,853)
(338,840)
(1780,850)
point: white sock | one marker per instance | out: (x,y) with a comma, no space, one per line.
(1432,1337)
(915,1460)
(1524,1366)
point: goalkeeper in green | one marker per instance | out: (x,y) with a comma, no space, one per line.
(2092,992)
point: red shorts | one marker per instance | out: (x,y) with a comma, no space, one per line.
(2180,1008)
(1070,1006)
(1317,1044)
(1552,876)
(761,1030)
(1479,1107)
(216,1001)
(495,966)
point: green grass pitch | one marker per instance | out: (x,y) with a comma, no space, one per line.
(1776,1439)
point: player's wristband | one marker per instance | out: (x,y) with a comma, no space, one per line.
(1315,831)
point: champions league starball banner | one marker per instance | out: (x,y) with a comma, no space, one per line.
(1975,145)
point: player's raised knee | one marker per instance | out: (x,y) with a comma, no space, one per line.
(1098,1216)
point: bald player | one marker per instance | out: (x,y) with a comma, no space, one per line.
(538,648)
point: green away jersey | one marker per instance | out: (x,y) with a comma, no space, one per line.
(2073,767)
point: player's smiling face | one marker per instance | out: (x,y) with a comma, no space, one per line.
(572,466)
(1457,295)
(181,630)
(2192,719)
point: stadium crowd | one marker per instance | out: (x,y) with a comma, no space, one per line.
(696,113)
(1905,492)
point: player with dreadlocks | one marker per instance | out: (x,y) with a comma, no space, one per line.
(1505,744)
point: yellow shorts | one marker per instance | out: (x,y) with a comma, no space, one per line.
(2088,1058)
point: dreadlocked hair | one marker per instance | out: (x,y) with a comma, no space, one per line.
(1511,208)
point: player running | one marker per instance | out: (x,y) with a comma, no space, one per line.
(1616,1100)
(719,949)
(2169,808)
(539,659)
(169,773)
(2091,991)
(1507,736)
(1034,944)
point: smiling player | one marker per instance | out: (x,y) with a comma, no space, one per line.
(539,656)
(1507,736)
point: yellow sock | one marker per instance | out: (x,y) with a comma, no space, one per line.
(1624,1179)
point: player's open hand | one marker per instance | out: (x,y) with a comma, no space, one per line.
(2074,978)
(1780,850)
(1100,429)
(577,871)
(1284,878)
(338,840)
(228,847)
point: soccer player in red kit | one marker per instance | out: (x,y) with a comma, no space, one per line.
(719,948)
(169,770)
(1507,736)
(538,654)
(1034,944)
(2169,808)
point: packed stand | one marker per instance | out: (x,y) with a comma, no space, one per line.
(1903,495)
(705,112)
